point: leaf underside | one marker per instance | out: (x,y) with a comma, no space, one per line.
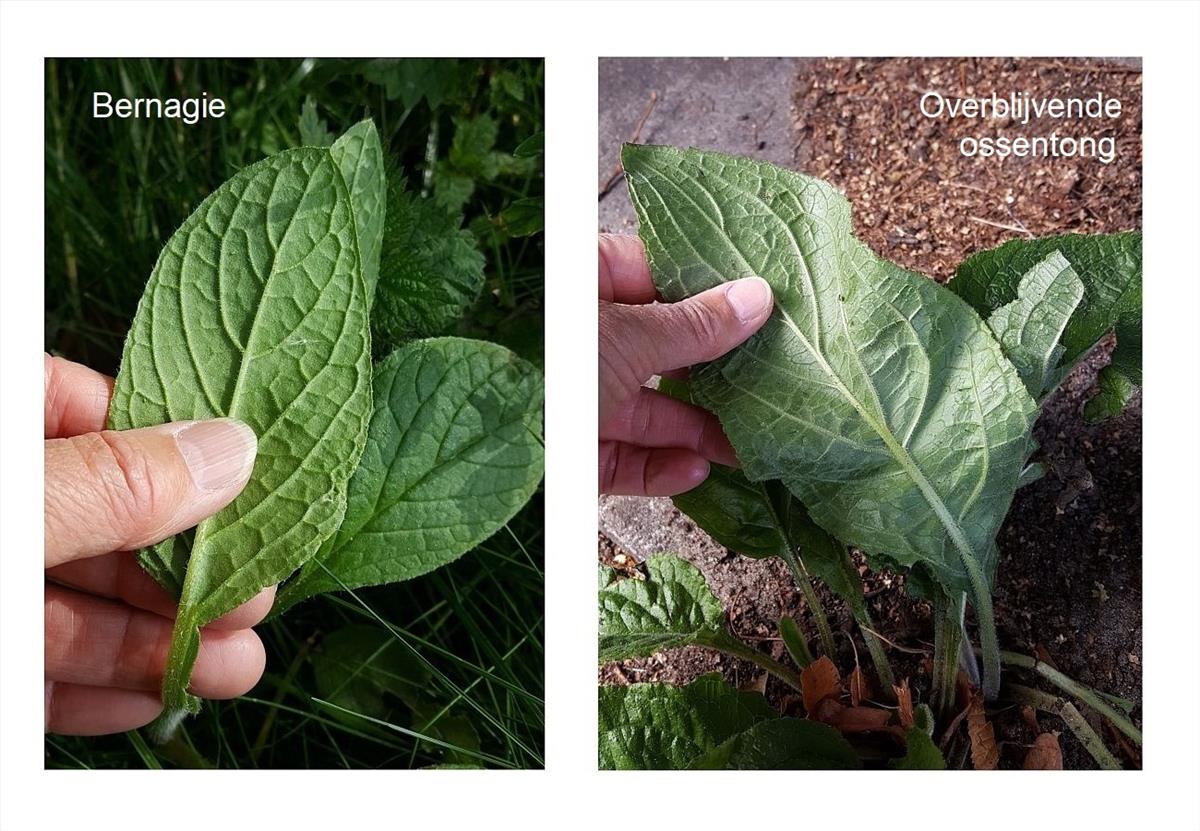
(878,397)
(453,451)
(256,310)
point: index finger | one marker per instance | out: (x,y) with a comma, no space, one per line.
(76,399)
(624,273)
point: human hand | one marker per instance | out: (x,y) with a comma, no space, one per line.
(108,624)
(652,444)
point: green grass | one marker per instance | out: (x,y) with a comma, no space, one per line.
(115,190)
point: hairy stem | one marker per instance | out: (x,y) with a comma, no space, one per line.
(795,641)
(1065,710)
(981,599)
(733,647)
(862,616)
(947,640)
(1069,685)
(800,573)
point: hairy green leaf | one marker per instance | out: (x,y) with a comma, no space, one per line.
(257,310)
(454,450)
(359,157)
(664,727)
(1029,328)
(1110,267)
(431,270)
(877,396)
(313,130)
(921,752)
(782,744)
(672,607)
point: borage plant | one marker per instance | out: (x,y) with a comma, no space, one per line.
(261,307)
(875,409)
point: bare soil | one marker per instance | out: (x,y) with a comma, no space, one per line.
(1069,579)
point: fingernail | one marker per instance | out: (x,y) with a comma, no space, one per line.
(748,298)
(218,453)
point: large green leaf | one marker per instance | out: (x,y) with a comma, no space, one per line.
(1029,328)
(782,744)
(257,310)
(878,397)
(454,450)
(1110,268)
(664,727)
(672,607)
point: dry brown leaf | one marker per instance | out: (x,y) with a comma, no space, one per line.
(758,685)
(829,710)
(859,689)
(985,754)
(1043,655)
(1045,753)
(818,681)
(904,698)
(1029,716)
(861,719)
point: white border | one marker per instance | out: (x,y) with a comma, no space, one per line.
(570,794)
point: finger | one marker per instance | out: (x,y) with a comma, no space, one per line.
(624,274)
(78,710)
(648,471)
(76,398)
(102,643)
(651,419)
(118,576)
(637,342)
(112,491)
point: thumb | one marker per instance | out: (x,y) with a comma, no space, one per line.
(637,342)
(112,491)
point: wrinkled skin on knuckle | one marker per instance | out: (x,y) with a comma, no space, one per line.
(698,323)
(130,494)
(621,370)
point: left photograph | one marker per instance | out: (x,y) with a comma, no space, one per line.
(294,413)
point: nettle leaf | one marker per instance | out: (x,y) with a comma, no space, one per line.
(434,80)
(878,397)
(313,130)
(782,744)
(664,727)
(431,270)
(672,607)
(1110,268)
(1029,328)
(256,310)
(454,450)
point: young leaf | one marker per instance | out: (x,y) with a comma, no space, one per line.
(921,753)
(257,310)
(1110,268)
(1029,328)
(454,450)
(672,607)
(664,727)
(313,130)
(431,270)
(795,642)
(783,744)
(879,397)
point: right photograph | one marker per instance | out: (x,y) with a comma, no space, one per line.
(870,451)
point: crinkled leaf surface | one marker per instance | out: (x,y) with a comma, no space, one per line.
(1030,327)
(1110,267)
(672,607)
(454,450)
(878,397)
(359,157)
(257,310)
(782,744)
(664,727)
(431,270)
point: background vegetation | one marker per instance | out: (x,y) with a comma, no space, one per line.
(465,135)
